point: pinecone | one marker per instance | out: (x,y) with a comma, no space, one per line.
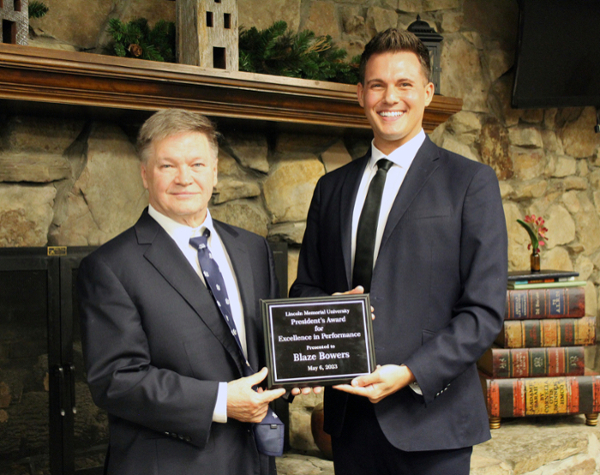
(135,50)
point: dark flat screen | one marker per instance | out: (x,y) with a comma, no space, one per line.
(558,54)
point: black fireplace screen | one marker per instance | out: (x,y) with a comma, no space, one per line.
(49,424)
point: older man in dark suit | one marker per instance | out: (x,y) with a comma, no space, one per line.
(423,230)
(171,322)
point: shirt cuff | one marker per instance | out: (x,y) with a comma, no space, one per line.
(220,412)
(416,388)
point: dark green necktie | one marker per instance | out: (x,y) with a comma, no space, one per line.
(367,228)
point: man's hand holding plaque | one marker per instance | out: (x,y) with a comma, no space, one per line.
(380,384)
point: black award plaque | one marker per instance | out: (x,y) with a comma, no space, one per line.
(318,341)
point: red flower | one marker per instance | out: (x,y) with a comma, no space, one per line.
(534,225)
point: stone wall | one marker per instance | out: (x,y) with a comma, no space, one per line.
(76,182)
(545,445)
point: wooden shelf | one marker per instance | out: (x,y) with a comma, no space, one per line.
(84,79)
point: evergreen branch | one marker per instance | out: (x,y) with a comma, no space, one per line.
(136,40)
(37,9)
(276,50)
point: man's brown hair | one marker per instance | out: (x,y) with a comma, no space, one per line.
(394,40)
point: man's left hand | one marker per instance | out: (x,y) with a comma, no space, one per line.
(382,382)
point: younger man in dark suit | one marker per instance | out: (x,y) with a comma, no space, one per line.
(423,230)
(164,357)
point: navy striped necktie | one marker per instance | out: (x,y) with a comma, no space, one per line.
(269,433)
(216,284)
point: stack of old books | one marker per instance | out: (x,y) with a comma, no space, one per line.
(537,364)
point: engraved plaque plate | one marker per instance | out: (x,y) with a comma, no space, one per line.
(318,341)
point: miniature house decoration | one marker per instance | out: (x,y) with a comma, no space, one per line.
(207,33)
(14,20)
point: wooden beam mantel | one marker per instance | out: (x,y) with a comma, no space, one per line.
(85,79)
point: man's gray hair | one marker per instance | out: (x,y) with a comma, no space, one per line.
(168,122)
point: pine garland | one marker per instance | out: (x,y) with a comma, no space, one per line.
(280,52)
(136,40)
(274,50)
(37,9)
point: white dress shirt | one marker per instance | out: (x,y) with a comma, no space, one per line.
(181,234)
(402,159)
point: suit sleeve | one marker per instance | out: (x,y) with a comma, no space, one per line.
(120,373)
(273,282)
(310,278)
(478,314)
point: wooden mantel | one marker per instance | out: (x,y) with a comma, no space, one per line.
(85,79)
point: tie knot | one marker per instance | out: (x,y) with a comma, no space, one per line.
(384,164)
(200,242)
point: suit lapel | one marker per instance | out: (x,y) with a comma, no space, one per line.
(238,255)
(347,199)
(171,264)
(425,163)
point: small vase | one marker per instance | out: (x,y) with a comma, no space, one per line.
(534,260)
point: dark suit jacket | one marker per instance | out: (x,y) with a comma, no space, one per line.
(156,347)
(438,289)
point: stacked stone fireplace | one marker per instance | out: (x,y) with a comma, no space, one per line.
(72,179)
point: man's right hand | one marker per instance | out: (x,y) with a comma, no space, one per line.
(246,404)
(359,289)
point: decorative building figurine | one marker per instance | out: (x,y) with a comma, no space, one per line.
(15,21)
(207,33)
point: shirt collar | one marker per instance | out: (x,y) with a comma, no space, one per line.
(178,230)
(403,155)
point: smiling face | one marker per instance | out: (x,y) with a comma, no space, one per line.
(180,174)
(394,95)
